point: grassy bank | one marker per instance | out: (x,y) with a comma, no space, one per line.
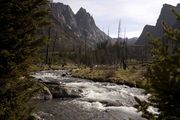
(34,68)
(133,76)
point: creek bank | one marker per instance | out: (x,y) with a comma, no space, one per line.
(119,82)
(132,77)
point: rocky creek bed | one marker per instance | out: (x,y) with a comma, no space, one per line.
(72,98)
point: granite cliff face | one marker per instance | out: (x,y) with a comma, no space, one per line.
(167,16)
(75,28)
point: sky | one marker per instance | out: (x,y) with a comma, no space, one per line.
(133,14)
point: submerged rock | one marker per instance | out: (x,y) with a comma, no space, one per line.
(63,75)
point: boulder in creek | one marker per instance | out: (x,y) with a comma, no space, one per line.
(44,94)
(61,91)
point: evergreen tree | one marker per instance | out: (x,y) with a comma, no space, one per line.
(19,21)
(163,73)
(19,42)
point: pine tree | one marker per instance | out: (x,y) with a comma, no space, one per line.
(19,42)
(163,73)
(19,21)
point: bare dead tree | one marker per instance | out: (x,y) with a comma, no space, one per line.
(85,46)
(119,51)
(124,55)
(47,46)
(53,48)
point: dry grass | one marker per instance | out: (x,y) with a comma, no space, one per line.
(132,76)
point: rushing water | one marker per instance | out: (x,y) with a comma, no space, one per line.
(93,101)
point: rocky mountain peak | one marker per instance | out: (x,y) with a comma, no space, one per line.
(59,7)
(81,24)
(86,23)
(85,16)
(64,15)
(82,11)
(167,16)
(167,5)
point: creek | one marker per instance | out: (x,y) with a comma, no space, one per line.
(82,99)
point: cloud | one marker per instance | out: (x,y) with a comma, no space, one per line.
(134,14)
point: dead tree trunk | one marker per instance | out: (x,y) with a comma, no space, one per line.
(53,48)
(47,47)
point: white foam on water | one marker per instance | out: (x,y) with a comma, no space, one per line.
(130,110)
(118,94)
(90,105)
(153,110)
(51,75)
(44,74)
